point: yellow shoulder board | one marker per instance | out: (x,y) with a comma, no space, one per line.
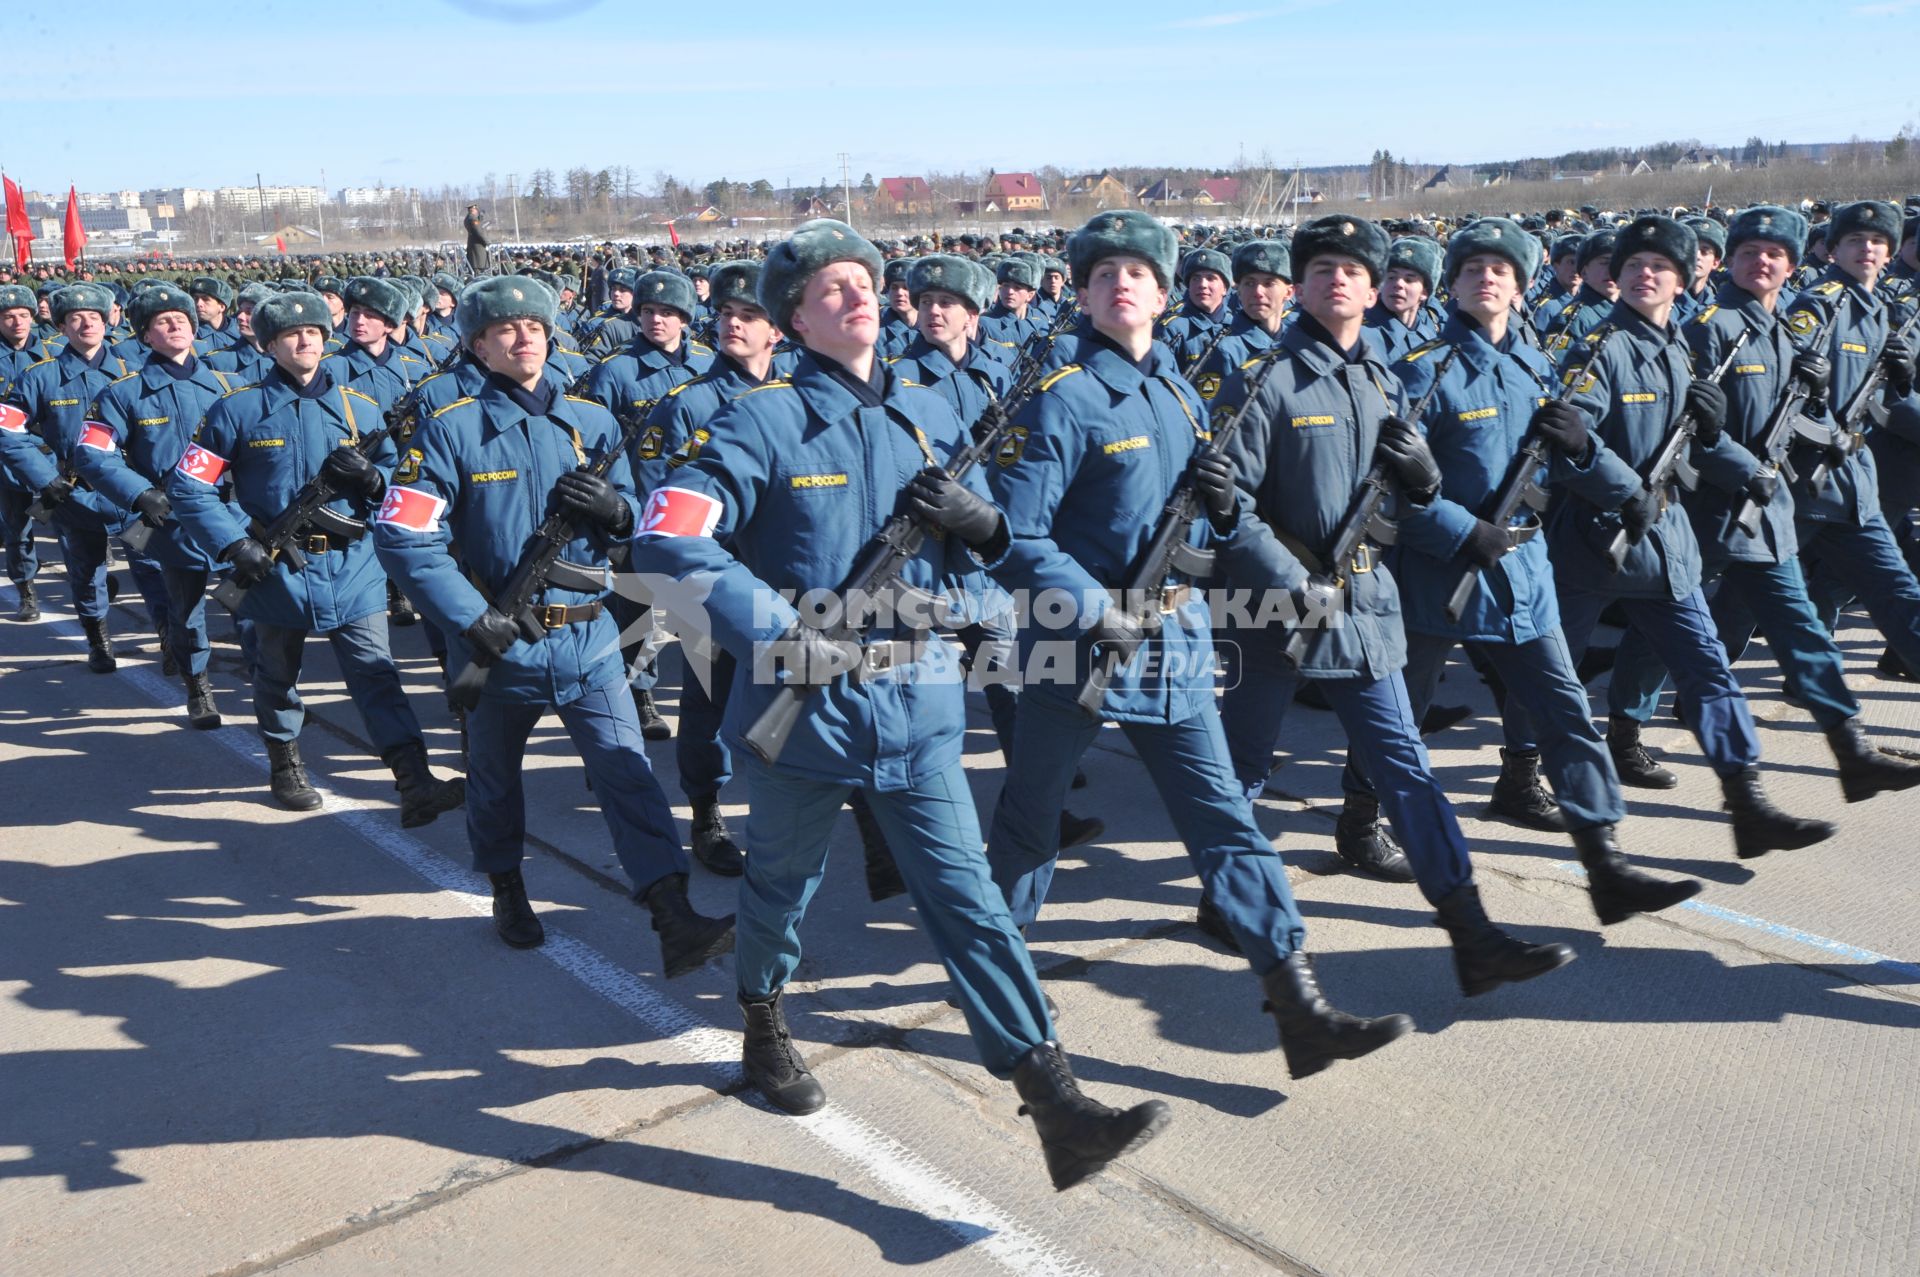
(702,347)
(1053,379)
(1421,351)
(612,354)
(1708,313)
(781,384)
(576,399)
(360,394)
(440,412)
(682,386)
(1829,288)
(254,385)
(129,377)
(36,363)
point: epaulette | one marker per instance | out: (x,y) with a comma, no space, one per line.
(702,347)
(129,377)
(612,354)
(1424,349)
(1054,378)
(36,363)
(576,399)
(1708,313)
(914,384)
(430,377)
(440,412)
(705,376)
(1829,288)
(252,385)
(361,394)
(779,384)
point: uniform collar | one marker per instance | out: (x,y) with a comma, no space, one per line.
(158,372)
(280,390)
(1859,294)
(503,411)
(824,393)
(1100,356)
(932,358)
(1735,298)
(1627,319)
(1465,335)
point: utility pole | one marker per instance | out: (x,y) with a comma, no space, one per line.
(261,191)
(846,187)
(321,210)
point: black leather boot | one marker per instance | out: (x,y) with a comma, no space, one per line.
(1617,889)
(713,845)
(513,915)
(652,726)
(772,1065)
(1485,957)
(1865,770)
(1075,830)
(1758,826)
(688,940)
(289,781)
(422,797)
(1521,796)
(1630,758)
(1313,1033)
(1891,666)
(883,875)
(1211,923)
(29,609)
(169,667)
(1079,1136)
(1366,844)
(100,657)
(200,708)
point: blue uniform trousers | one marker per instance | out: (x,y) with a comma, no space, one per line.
(151,580)
(84,552)
(1546,709)
(1844,563)
(1770,597)
(1187,762)
(990,655)
(1681,635)
(639,640)
(1383,740)
(605,730)
(704,760)
(935,835)
(23,557)
(187,617)
(366,665)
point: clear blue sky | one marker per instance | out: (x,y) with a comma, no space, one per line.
(128,93)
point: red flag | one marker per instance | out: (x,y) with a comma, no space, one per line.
(673,233)
(75,245)
(19,225)
(280,242)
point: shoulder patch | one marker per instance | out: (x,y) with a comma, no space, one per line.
(458,403)
(1055,378)
(1012,446)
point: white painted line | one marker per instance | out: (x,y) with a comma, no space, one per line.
(947,1202)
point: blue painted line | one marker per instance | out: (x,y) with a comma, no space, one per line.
(1838,948)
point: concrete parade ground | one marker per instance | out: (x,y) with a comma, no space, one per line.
(234,1039)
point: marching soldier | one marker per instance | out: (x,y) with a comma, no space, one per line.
(370,362)
(482,475)
(52,398)
(791,485)
(271,439)
(1007,322)
(898,320)
(1633,393)
(1567,320)
(1399,321)
(19,350)
(1323,421)
(1207,273)
(142,424)
(1489,394)
(1091,462)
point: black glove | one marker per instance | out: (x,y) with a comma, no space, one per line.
(1213,482)
(1812,371)
(153,506)
(942,501)
(1486,544)
(812,658)
(1708,404)
(1897,358)
(1562,425)
(595,500)
(490,637)
(990,421)
(349,471)
(1405,453)
(1315,600)
(1639,514)
(1762,486)
(251,562)
(56,492)
(1118,634)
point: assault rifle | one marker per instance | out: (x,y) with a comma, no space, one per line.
(1672,464)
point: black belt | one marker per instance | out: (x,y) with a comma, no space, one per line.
(1363,560)
(881,655)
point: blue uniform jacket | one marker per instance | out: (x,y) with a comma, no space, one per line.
(494,467)
(1302,448)
(152,416)
(57,394)
(634,379)
(270,440)
(683,414)
(964,386)
(1474,422)
(1089,466)
(789,487)
(999,324)
(1755,384)
(1632,395)
(384,380)
(1853,329)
